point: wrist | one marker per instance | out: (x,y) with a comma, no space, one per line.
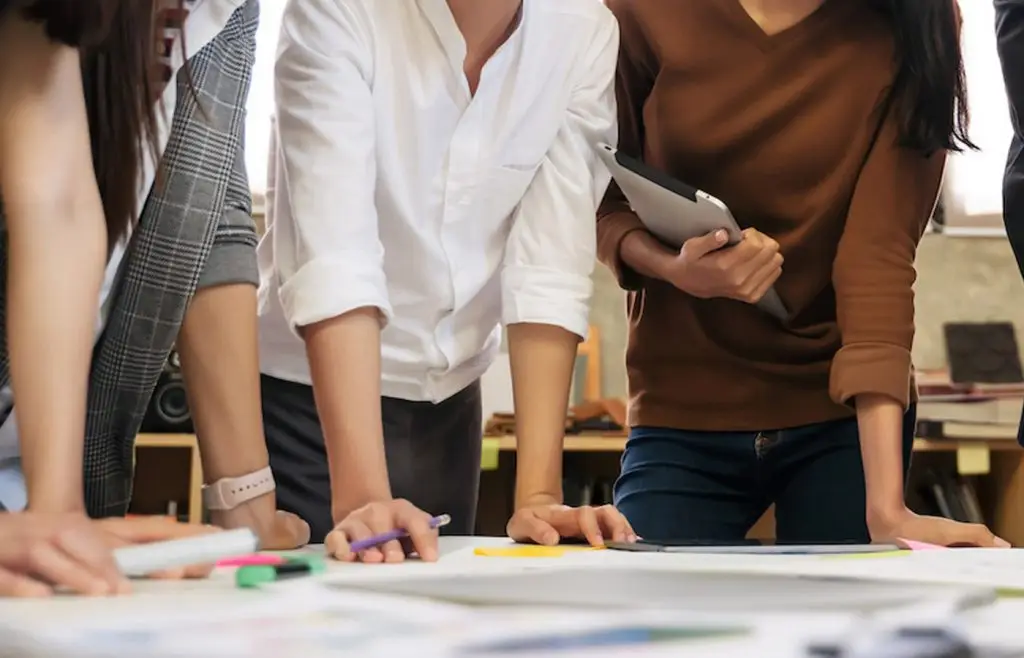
(233,468)
(884,514)
(348,502)
(255,513)
(538,498)
(641,251)
(47,503)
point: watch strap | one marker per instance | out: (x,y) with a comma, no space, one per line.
(228,493)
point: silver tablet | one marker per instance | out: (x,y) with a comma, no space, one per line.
(749,547)
(674,211)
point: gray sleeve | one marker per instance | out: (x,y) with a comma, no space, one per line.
(233,257)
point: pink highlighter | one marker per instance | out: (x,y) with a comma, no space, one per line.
(257,560)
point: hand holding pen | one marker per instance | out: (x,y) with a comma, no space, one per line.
(376,533)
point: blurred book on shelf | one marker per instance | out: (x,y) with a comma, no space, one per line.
(960,410)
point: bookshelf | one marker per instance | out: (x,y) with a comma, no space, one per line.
(615,442)
(168,473)
(169,470)
(996,464)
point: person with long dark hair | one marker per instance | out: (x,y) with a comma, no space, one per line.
(103,202)
(824,126)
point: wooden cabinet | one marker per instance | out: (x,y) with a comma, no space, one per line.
(169,474)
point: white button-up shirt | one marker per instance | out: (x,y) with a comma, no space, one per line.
(451,212)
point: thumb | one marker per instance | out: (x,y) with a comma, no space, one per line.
(337,545)
(705,244)
(287,532)
(295,529)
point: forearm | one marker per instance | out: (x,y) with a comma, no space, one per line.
(880,422)
(56,249)
(344,362)
(52,293)
(645,255)
(542,360)
(218,349)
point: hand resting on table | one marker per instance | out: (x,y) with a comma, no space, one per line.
(42,553)
(548,523)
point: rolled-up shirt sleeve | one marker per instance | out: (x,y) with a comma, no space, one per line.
(873,273)
(551,250)
(328,258)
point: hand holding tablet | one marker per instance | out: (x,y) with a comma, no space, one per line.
(686,218)
(707,267)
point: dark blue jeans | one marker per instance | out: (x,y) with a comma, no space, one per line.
(714,486)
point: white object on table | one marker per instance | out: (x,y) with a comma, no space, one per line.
(144,559)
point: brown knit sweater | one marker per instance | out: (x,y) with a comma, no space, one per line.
(791,133)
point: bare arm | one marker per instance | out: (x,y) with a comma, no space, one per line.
(542,359)
(873,276)
(57,248)
(546,283)
(219,362)
(327,254)
(344,361)
(880,421)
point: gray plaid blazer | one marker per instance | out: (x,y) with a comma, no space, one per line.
(195,230)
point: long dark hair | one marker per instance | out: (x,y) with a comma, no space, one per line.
(119,78)
(118,45)
(930,88)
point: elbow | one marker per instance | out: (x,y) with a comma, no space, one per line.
(549,296)
(53,202)
(329,287)
(876,321)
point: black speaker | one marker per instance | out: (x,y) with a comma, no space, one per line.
(168,411)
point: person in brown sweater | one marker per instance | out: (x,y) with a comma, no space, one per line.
(824,126)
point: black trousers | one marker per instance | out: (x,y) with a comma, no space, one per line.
(714,486)
(433,454)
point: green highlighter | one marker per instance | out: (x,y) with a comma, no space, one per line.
(252,576)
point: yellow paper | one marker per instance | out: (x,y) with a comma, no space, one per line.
(973,459)
(530,551)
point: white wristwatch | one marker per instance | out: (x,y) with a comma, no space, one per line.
(228,493)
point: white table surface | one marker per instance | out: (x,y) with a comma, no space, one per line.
(1001,620)
(219,586)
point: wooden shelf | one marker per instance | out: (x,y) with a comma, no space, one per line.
(166,441)
(193,472)
(617,442)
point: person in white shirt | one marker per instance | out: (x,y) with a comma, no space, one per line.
(436,178)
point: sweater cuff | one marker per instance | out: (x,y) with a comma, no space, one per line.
(612,229)
(875,368)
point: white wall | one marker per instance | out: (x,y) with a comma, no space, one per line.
(974,179)
(261,95)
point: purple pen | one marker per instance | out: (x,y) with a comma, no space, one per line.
(373,542)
